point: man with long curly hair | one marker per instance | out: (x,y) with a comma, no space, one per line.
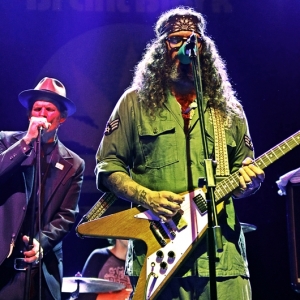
(152,152)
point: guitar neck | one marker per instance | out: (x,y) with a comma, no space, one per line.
(226,186)
(100,207)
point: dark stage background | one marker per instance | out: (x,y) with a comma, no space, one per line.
(92,46)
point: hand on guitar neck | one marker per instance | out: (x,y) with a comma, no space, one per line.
(250,179)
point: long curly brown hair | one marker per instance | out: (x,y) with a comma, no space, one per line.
(151,77)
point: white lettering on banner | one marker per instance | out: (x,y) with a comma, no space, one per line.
(124,6)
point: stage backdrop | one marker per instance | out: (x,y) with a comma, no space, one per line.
(92,46)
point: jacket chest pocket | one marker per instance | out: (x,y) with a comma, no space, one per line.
(158,144)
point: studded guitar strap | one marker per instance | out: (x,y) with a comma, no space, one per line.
(221,155)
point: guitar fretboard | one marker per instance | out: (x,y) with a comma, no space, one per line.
(227,185)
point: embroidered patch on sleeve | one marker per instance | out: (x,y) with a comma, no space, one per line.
(112,126)
(248,142)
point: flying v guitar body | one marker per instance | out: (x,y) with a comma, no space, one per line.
(168,244)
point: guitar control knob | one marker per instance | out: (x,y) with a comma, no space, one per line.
(163,265)
(171,257)
(160,254)
(171,254)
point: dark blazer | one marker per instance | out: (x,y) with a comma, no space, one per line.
(59,208)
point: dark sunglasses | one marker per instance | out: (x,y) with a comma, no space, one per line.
(177,41)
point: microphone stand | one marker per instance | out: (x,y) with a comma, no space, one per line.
(214,240)
(36,197)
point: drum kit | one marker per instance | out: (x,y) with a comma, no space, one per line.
(104,288)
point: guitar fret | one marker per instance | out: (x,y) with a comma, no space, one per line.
(297,138)
(229,183)
(269,157)
(226,187)
(282,152)
(259,164)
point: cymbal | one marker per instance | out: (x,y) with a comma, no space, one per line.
(90,285)
(248,227)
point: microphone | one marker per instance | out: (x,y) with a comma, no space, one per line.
(184,51)
(42,129)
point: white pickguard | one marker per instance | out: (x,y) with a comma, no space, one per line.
(178,244)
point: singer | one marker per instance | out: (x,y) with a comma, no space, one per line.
(151,151)
(61,181)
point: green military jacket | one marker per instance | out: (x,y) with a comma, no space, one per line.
(158,154)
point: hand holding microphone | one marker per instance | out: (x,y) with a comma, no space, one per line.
(36,125)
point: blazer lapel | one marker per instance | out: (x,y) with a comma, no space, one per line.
(61,163)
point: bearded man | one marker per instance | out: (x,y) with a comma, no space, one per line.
(152,152)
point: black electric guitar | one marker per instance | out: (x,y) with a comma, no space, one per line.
(169,244)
